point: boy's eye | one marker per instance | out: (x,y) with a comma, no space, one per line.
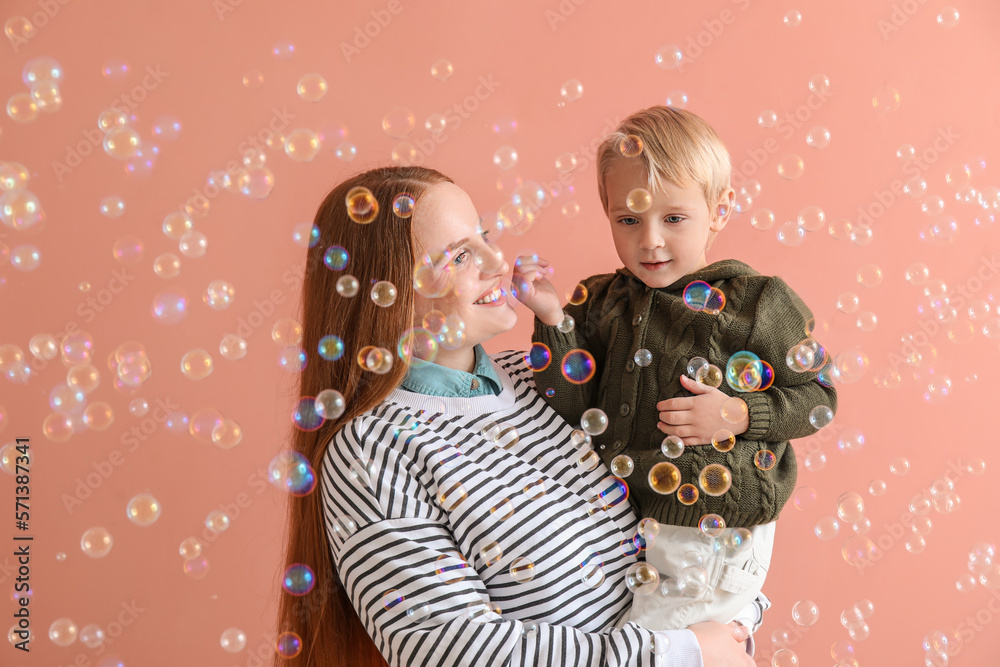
(675,218)
(629,221)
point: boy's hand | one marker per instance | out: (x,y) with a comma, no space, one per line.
(695,419)
(534,290)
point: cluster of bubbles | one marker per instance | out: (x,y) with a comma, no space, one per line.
(700,370)
(855,619)
(43,77)
(983,568)
(701,297)
(20,210)
(746,372)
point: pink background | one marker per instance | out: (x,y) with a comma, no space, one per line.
(740,60)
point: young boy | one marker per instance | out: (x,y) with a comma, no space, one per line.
(663,178)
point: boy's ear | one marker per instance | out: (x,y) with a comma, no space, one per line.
(722,210)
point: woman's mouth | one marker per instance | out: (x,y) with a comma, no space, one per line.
(495,298)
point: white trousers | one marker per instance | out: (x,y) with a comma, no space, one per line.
(733,581)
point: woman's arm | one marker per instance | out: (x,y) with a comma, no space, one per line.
(424,605)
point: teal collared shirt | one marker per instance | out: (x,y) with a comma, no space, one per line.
(436,380)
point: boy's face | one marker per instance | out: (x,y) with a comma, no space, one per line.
(668,240)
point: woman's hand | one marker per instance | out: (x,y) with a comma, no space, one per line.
(695,419)
(530,280)
(721,645)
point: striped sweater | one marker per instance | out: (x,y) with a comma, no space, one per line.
(478,531)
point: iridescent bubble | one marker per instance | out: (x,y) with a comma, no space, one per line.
(594,421)
(762,219)
(288,645)
(820,416)
(571,91)
(578,296)
(362,207)
(96,542)
(712,525)
(812,218)
(290,471)
(669,57)
(709,375)
(630,146)
(451,494)
(948,17)
(672,446)
(791,167)
(578,366)
(311,87)
(112,207)
(723,440)
(302,144)
(383,293)
(886,100)
(62,632)
(765,459)
(505,157)
(283,50)
(715,479)
(696,295)
(827,528)
(402,205)
(792,18)
(298,579)
(791,234)
(767,118)
(643,358)
(22,108)
(818,137)
(21,210)
(398,122)
(538,357)
(687,494)
(169,307)
(197,364)
(233,640)
(442,69)
(522,570)
(677,99)
(664,477)
(565,163)
(850,507)
(491,554)
(639,200)
(819,84)
(143,509)
(622,465)
(346,151)
(734,410)
(642,578)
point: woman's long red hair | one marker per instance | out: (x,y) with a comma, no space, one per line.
(332,634)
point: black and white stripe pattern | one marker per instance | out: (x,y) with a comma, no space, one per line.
(430,501)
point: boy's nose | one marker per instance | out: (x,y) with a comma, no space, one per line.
(651,239)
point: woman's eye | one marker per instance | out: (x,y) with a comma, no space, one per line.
(461,258)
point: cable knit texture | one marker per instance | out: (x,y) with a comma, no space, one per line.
(621,315)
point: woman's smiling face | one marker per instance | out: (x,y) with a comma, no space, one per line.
(455,257)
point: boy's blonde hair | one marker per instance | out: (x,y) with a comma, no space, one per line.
(678,147)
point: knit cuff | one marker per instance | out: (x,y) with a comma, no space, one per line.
(759,413)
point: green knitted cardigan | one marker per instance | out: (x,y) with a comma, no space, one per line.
(621,315)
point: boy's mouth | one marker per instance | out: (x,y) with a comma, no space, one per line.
(654,266)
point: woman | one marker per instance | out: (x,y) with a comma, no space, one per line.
(458,520)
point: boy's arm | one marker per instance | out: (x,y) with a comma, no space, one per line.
(782,412)
(569,399)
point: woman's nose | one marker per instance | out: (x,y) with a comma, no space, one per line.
(492,262)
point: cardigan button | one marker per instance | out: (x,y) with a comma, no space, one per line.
(624,410)
(618,444)
(637,320)
(629,366)
(475,384)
